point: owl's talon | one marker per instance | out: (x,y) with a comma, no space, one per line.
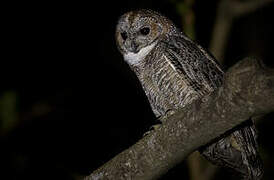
(167,114)
(152,128)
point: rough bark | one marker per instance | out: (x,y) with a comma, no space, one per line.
(248,91)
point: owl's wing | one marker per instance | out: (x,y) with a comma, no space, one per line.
(198,68)
(201,71)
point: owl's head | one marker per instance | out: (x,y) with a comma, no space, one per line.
(140,29)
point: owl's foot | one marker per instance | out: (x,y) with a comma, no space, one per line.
(152,128)
(167,114)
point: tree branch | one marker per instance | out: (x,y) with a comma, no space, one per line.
(248,90)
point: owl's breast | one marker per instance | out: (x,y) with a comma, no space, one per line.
(165,88)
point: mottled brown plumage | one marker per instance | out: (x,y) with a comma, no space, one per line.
(174,71)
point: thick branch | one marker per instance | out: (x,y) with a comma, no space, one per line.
(248,90)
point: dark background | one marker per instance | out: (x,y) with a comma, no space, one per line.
(68,101)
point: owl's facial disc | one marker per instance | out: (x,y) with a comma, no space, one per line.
(135,31)
(133,40)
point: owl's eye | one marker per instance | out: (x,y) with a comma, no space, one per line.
(145,31)
(124,35)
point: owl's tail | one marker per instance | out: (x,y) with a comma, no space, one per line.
(237,150)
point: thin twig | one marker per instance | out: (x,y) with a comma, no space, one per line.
(227,11)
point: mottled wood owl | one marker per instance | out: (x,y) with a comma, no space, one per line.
(174,71)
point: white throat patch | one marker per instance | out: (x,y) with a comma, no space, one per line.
(134,58)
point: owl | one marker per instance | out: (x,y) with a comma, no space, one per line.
(174,71)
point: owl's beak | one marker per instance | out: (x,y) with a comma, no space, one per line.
(132,46)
